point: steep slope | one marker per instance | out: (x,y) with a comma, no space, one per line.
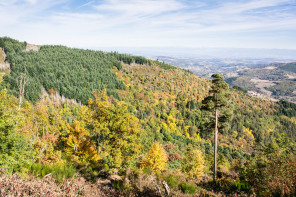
(73,73)
(157,93)
(152,109)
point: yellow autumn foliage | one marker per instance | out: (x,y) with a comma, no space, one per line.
(79,146)
(114,131)
(193,163)
(156,159)
(248,134)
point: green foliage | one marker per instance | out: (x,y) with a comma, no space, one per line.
(74,73)
(263,74)
(57,171)
(242,186)
(175,164)
(119,184)
(187,188)
(114,131)
(11,47)
(129,59)
(218,101)
(193,163)
(286,108)
(273,170)
(225,184)
(243,82)
(287,126)
(172,181)
(228,185)
(16,151)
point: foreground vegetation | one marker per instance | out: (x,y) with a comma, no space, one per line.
(142,127)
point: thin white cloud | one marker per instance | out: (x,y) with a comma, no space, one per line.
(17,11)
(32,1)
(146,22)
(87,4)
(238,7)
(139,7)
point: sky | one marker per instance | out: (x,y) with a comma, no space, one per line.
(268,24)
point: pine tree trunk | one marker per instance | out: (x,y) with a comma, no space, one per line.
(216,143)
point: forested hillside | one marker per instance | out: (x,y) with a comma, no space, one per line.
(140,122)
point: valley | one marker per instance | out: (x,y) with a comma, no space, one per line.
(261,77)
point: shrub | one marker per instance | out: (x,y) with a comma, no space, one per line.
(174,156)
(272,172)
(59,172)
(119,184)
(156,158)
(242,186)
(172,181)
(228,185)
(225,184)
(16,151)
(177,164)
(193,163)
(187,188)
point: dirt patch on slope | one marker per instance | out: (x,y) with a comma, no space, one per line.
(290,76)
(32,47)
(4,65)
(270,67)
(261,84)
(57,98)
(2,56)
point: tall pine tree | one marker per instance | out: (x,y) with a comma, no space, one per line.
(218,103)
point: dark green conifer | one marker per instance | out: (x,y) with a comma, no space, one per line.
(218,103)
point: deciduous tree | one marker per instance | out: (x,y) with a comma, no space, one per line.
(193,163)
(156,159)
(114,131)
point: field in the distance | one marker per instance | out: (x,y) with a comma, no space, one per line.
(274,81)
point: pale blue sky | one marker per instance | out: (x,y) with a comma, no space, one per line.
(152,23)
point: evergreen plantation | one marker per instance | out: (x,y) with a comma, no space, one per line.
(142,120)
(73,73)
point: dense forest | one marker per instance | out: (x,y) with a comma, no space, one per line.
(137,127)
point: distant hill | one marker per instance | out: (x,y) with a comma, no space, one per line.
(290,67)
(276,81)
